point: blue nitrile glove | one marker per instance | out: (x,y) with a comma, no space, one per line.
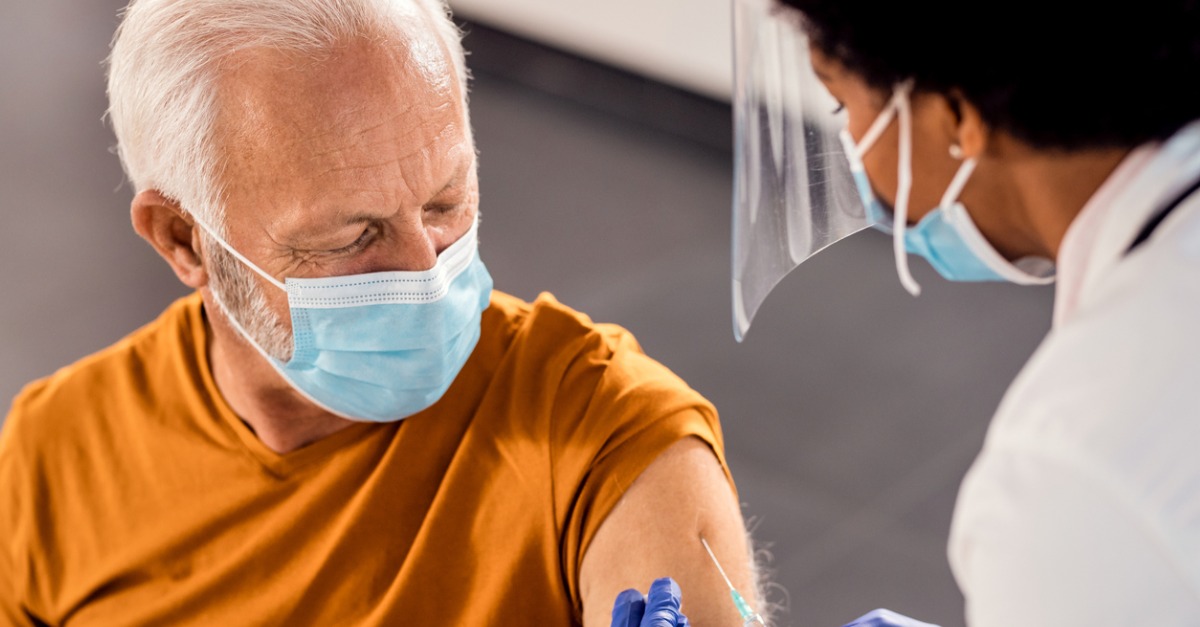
(658,609)
(886,618)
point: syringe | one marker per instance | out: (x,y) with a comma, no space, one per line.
(749,616)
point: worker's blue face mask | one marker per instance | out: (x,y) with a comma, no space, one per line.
(879,216)
(382,346)
(946,237)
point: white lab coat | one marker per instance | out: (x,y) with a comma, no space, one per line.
(1084,506)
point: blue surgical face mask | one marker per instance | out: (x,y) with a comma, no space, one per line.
(382,346)
(946,237)
(951,243)
(879,216)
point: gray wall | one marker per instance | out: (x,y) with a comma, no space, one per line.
(73,275)
(850,413)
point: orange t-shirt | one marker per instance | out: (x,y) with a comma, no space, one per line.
(130,494)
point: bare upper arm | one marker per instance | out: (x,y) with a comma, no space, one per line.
(654,531)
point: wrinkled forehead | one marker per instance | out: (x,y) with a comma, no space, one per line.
(281,108)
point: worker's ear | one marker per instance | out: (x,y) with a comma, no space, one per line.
(173,234)
(967,129)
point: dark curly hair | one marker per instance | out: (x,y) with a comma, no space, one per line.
(1056,75)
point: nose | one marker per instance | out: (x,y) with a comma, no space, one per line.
(410,247)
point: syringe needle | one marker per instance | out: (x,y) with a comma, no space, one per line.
(748,614)
(716,563)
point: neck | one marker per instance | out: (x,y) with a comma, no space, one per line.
(1039,193)
(278,415)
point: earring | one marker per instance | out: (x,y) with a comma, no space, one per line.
(956,151)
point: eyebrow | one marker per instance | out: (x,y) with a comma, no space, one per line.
(359,218)
(302,240)
(456,179)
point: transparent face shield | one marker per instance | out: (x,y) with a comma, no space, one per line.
(794,193)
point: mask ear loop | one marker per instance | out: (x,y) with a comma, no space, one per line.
(877,128)
(958,183)
(903,189)
(239,256)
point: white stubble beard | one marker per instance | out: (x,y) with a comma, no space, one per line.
(236,292)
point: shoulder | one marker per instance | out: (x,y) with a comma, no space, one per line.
(545,337)
(1082,504)
(548,324)
(566,352)
(1119,377)
(590,384)
(1087,480)
(72,405)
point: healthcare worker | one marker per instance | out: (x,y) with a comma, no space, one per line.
(1026,142)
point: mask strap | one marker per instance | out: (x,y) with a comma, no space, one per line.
(904,189)
(881,123)
(958,183)
(240,257)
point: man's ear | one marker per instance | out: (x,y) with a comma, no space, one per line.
(173,234)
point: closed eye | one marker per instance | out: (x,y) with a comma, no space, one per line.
(363,240)
(443,208)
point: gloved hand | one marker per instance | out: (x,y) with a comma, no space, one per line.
(660,608)
(886,618)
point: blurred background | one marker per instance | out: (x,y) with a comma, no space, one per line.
(850,413)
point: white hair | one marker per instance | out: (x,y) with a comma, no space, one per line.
(162,77)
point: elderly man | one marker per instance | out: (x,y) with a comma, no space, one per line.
(344,425)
